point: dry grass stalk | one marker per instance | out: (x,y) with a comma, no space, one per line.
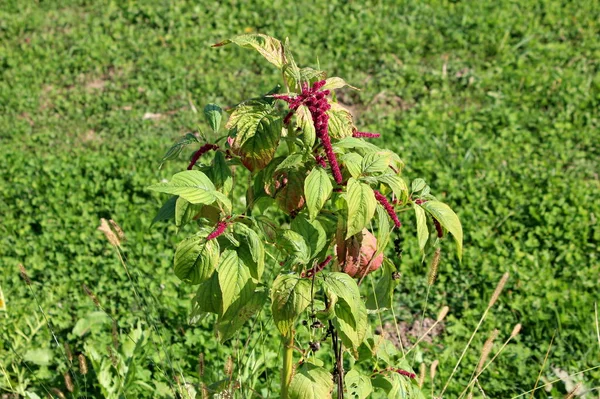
(443,313)
(68,352)
(201,364)
(432,373)
(115,335)
(90,294)
(498,289)
(23,273)
(574,391)
(118,230)
(229,366)
(69,382)
(493,300)
(543,365)
(487,348)
(82,364)
(433,269)
(108,233)
(422,370)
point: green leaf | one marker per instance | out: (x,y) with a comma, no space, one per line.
(290,296)
(185,211)
(317,189)
(336,83)
(382,296)
(213,116)
(354,143)
(346,289)
(220,174)
(167,211)
(267,46)
(340,122)
(311,382)
(291,162)
(375,162)
(176,149)
(246,119)
(305,124)
(361,206)
(234,279)
(291,196)
(398,386)
(89,322)
(208,299)
(259,149)
(353,163)
(422,230)
(312,232)
(383,229)
(358,384)
(448,219)
(255,247)
(196,258)
(397,184)
(296,246)
(40,357)
(418,185)
(235,317)
(192,185)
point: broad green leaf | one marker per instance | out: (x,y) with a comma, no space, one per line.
(305,124)
(422,230)
(176,149)
(93,320)
(246,119)
(317,189)
(375,162)
(255,248)
(311,382)
(340,122)
(196,259)
(382,296)
(398,386)
(220,173)
(208,299)
(39,357)
(235,317)
(296,246)
(383,229)
(312,232)
(352,327)
(346,289)
(348,143)
(234,279)
(267,46)
(291,162)
(397,184)
(291,196)
(259,149)
(185,211)
(223,200)
(213,116)
(192,185)
(353,162)
(361,206)
(448,219)
(358,384)
(167,211)
(417,185)
(336,83)
(290,296)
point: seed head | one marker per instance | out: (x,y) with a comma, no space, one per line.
(498,289)
(82,364)
(433,269)
(69,382)
(23,273)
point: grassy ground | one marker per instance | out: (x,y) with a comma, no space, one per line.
(494,103)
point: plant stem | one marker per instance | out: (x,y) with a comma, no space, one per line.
(287,370)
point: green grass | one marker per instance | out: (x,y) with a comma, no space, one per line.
(495,104)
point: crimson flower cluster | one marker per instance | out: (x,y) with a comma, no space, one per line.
(219,229)
(366,135)
(399,371)
(203,150)
(316,100)
(388,207)
(438,228)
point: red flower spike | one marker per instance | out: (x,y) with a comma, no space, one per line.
(438,228)
(220,229)
(388,207)
(203,150)
(406,373)
(366,135)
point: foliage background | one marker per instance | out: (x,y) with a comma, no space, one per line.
(494,103)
